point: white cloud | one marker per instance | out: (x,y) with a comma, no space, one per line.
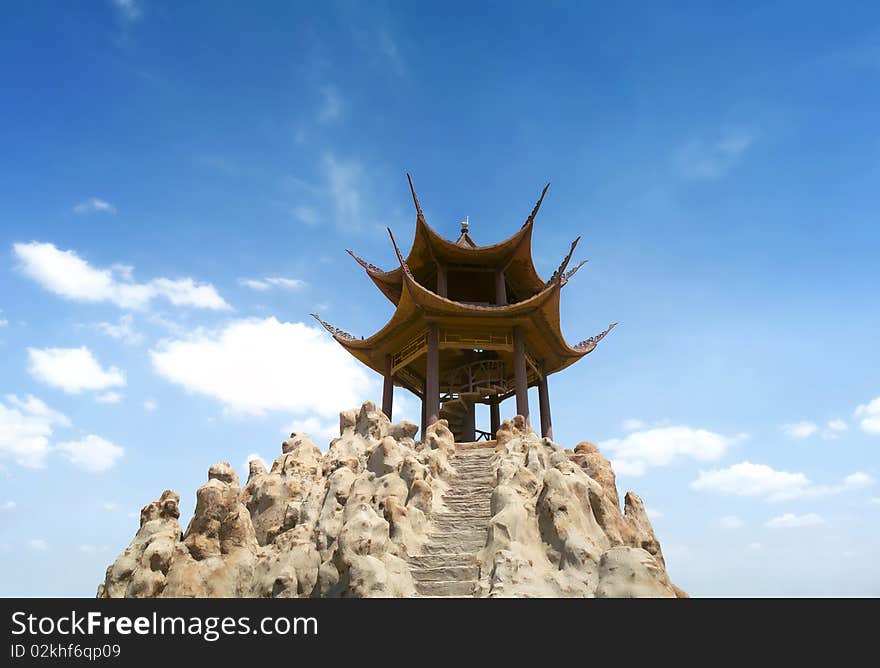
(633,424)
(37,545)
(8,505)
(122,329)
(331,105)
(790,520)
(269,282)
(837,425)
(708,160)
(345,182)
(67,275)
(92,549)
(755,546)
(254,366)
(94,205)
(640,450)
(91,453)
(110,506)
(109,398)
(306,214)
(747,479)
(731,522)
(25,428)
(869,417)
(875,501)
(320,431)
(128,10)
(151,405)
(72,369)
(800,430)
(3,322)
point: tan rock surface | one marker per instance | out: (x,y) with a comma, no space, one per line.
(381,515)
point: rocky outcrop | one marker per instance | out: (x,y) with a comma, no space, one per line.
(381,515)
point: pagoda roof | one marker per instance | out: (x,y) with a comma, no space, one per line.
(513,254)
(539,313)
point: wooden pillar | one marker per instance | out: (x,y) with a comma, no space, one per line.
(519,372)
(544,404)
(432,380)
(500,289)
(469,433)
(387,389)
(442,290)
(424,413)
(494,418)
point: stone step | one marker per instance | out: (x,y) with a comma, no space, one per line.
(470,541)
(444,546)
(465,515)
(453,521)
(446,573)
(459,588)
(437,560)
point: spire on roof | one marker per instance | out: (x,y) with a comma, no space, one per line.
(531,218)
(335,331)
(400,259)
(464,239)
(415,197)
(588,344)
(559,274)
(366,265)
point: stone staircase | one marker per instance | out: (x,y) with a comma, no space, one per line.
(447,566)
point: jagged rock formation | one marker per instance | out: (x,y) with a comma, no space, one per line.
(380,515)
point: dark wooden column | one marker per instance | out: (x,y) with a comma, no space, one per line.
(500,289)
(494,418)
(469,433)
(387,389)
(424,412)
(544,404)
(519,372)
(432,381)
(442,290)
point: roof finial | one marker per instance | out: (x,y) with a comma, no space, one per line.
(464,224)
(403,264)
(414,196)
(531,218)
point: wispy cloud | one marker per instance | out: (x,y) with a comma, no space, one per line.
(122,329)
(25,428)
(800,430)
(269,282)
(869,417)
(806,429)
(792,521)
(345,180)
(637,451)
(109,398)
(72,369)
(129,11)
(711,159)
(37,545)
(731,522)
(331,105)
(67,275)
(94,205)
(760,480)
(91,453)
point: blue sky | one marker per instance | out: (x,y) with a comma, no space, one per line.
(180,180)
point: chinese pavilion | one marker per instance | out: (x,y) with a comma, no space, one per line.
(473,324)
